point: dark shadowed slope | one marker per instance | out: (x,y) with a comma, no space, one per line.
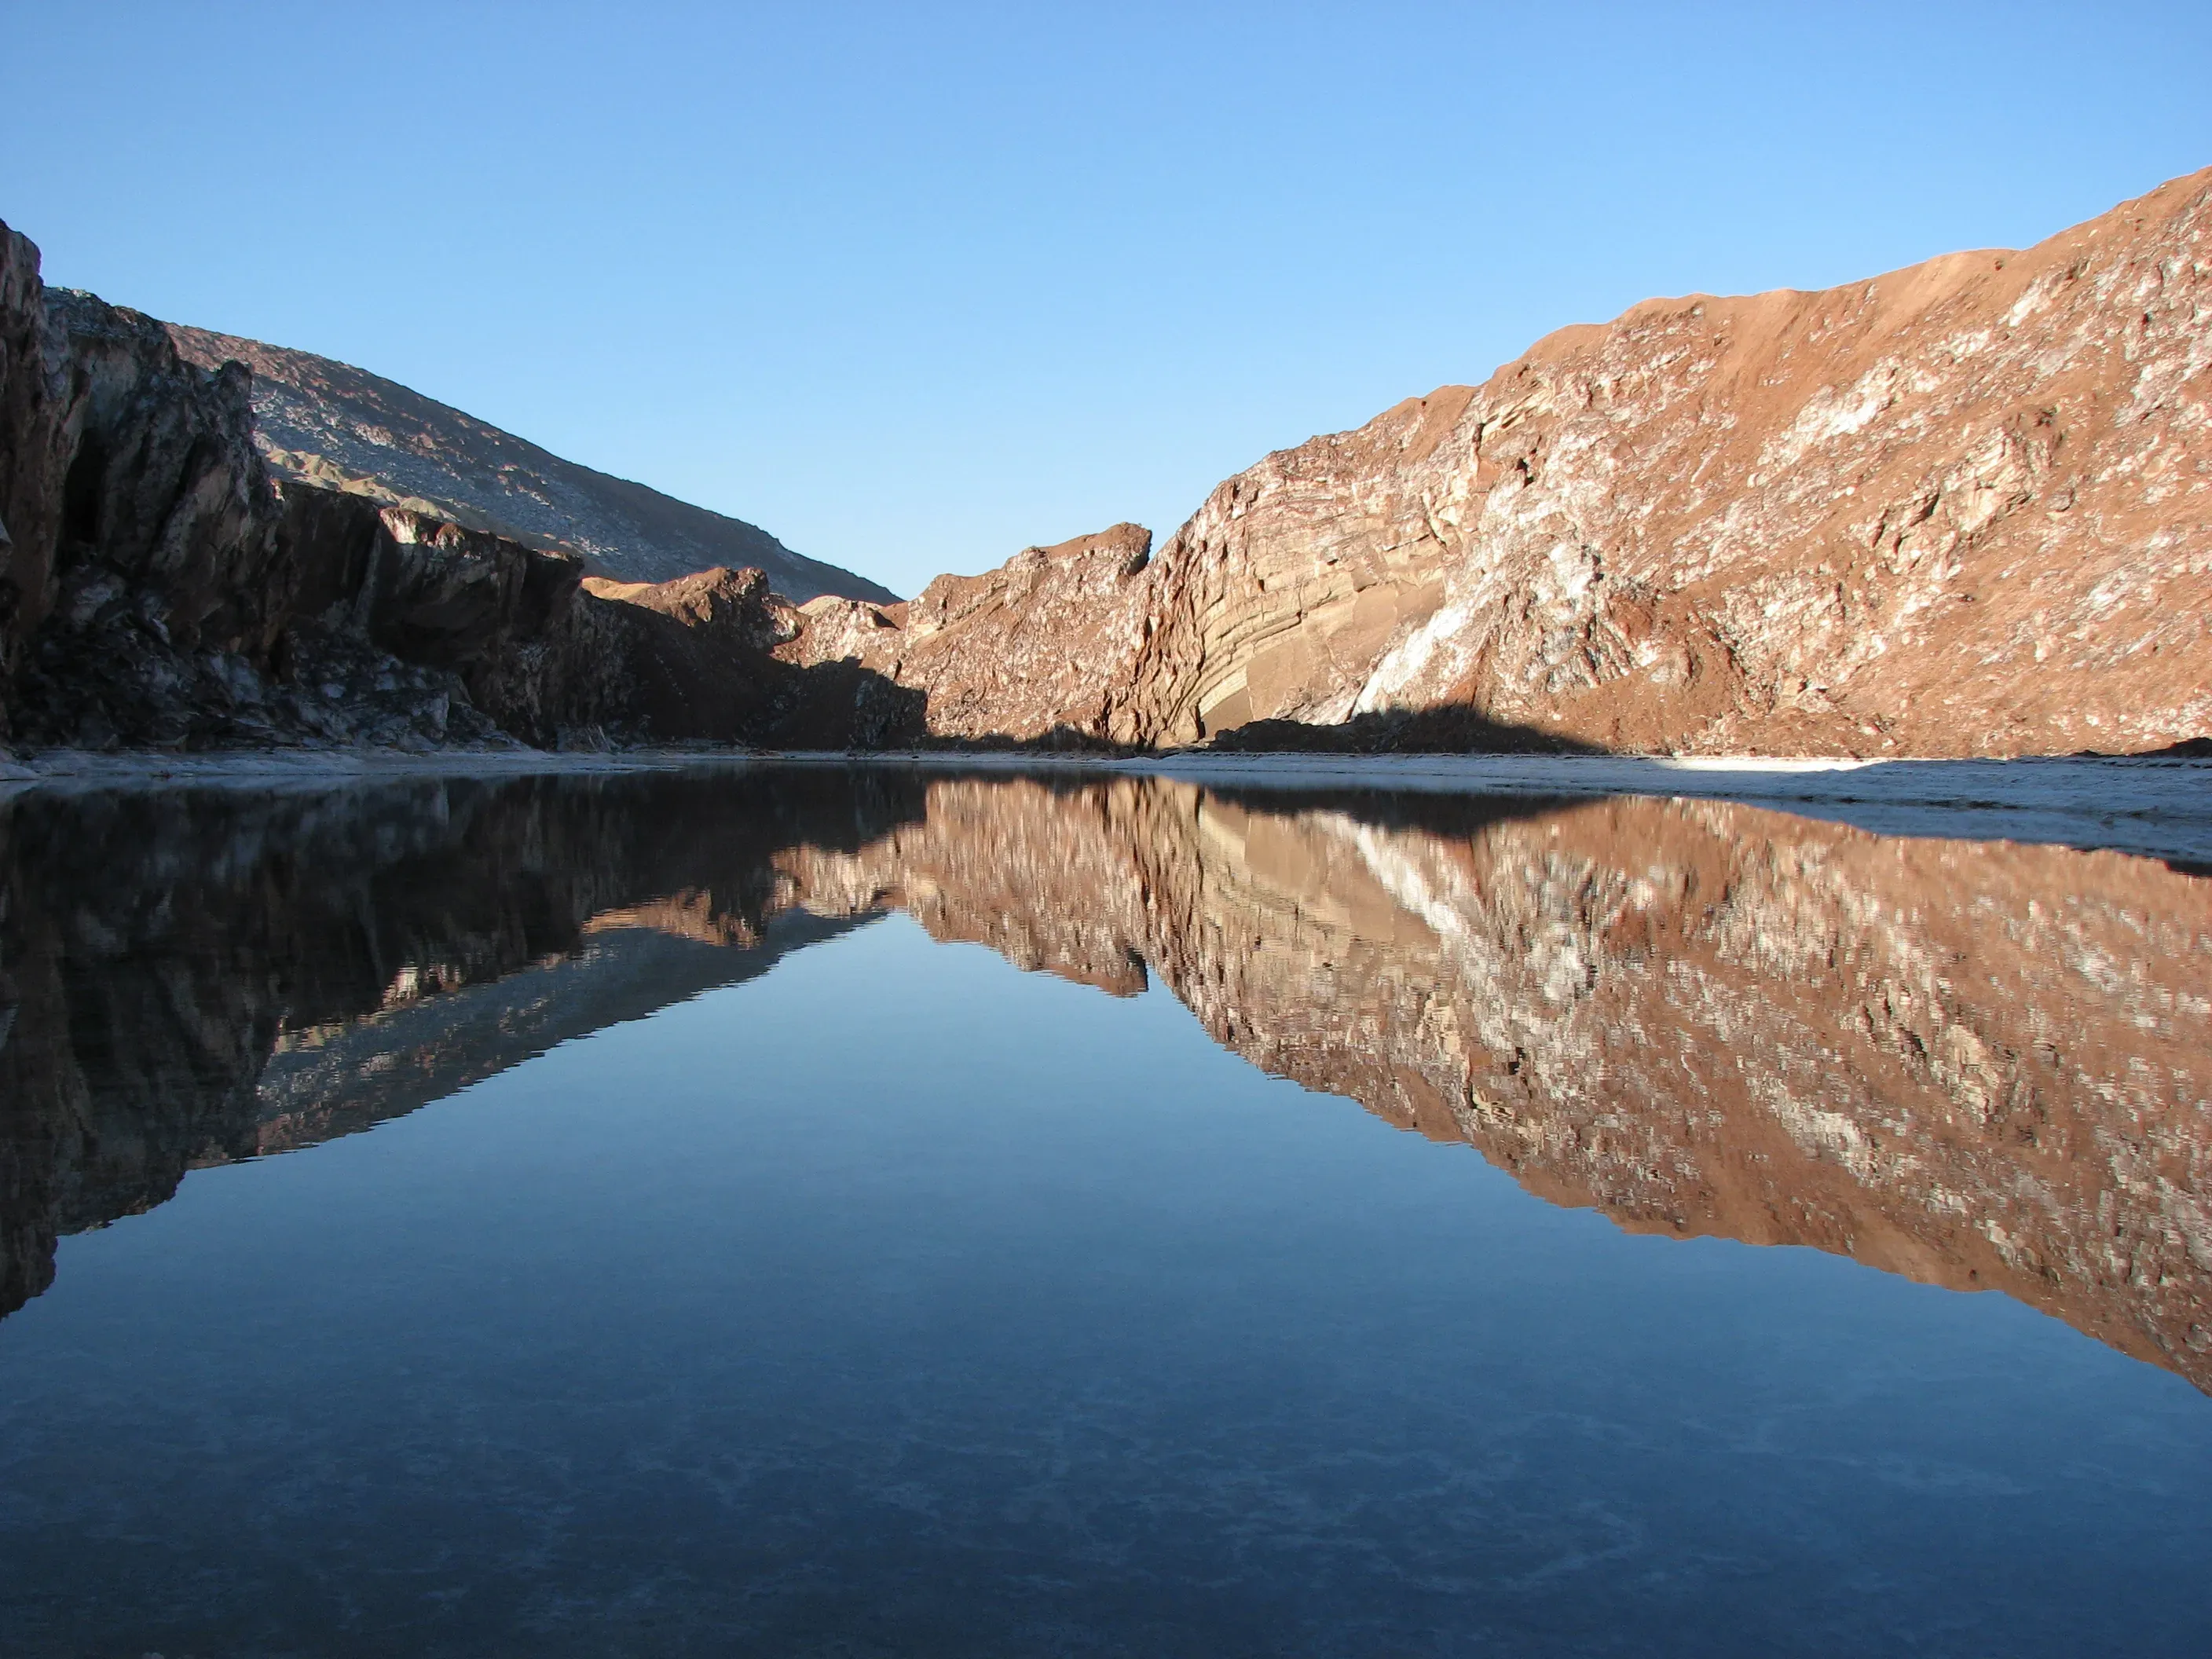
(343,427)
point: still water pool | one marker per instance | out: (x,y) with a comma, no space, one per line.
(875,1213)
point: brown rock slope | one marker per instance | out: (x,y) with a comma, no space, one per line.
(1983,1065)
(1963,509)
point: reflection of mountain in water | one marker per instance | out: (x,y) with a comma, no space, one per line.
(1982,1065)
(200,977)
(332,1079)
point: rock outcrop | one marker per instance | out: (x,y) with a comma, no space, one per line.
(142,533)
(33,444)
(1045,648)
(1963,509)
(336,427)
(161,590)
(694,659)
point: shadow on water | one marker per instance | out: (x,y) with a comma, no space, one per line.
(1448,729)
(1976,1064)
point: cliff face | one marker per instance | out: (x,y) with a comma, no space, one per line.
(1048,645)
(134,503)
(340,428)
(33,444)
(161,590)
(1963,509)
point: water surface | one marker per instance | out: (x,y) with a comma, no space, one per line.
(813,1212)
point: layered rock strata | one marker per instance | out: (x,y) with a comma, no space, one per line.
(1963,509)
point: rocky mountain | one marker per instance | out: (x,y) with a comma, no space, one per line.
(160,587)
(1047,646)
(1983,1065)
(1962,508)
(329,424)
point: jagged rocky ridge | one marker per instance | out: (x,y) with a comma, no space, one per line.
(337,427)
(1963,509)
(1983,1065)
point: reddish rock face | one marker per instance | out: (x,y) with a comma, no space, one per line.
(1963,509)
(1982,1065)
(1048,646)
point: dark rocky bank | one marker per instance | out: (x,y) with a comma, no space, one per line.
(160,588)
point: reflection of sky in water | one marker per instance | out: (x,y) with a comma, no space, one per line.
(893,1301)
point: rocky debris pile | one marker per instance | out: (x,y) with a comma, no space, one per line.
(115,684)
(340,428)
(1964,508)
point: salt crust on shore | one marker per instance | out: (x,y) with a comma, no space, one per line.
(2157,807)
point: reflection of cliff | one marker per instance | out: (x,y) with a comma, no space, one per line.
(349,1075)
(202,978)
(1982,1065)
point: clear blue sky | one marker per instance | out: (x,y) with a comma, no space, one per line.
(914,286)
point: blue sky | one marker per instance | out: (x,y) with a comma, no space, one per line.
(915,286)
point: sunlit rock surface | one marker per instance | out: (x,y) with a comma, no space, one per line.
(1048,646)
(1962,508)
